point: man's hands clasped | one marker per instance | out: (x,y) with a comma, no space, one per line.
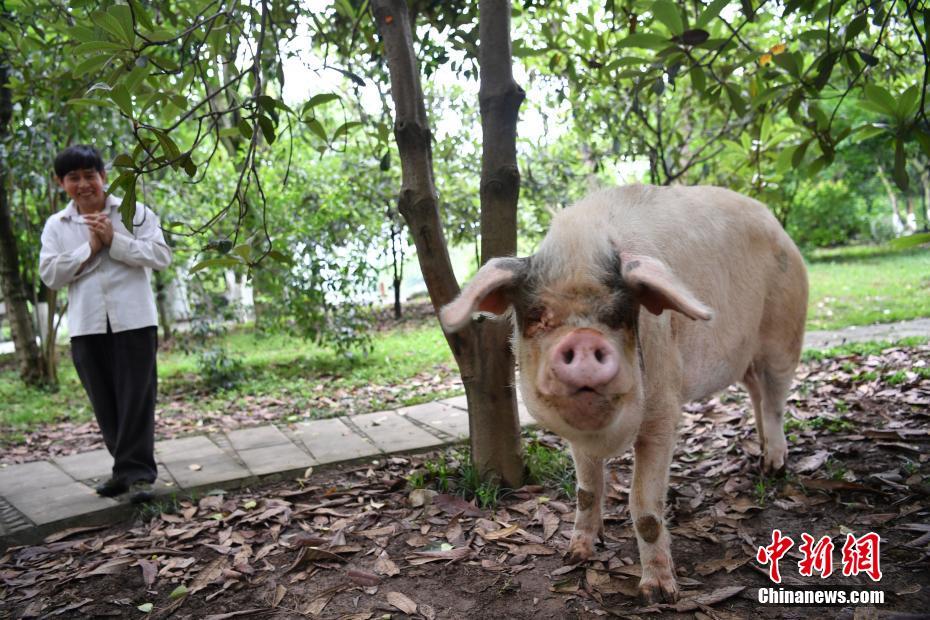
(101,229)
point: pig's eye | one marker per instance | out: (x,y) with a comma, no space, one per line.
(534,321)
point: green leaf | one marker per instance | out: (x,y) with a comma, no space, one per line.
(667,13)
(385,163)
(95,47)
(867,132)
(82,34)
(244,250)
(736,99)
(867,58)
(267,127)
(711,11)
(900,166)
(911,241)
(644,40)
(783,163)
(315,126)
(697,78)
(798,156)
(141,14)
(124,160)
(90,65)
(320,99)
(789,63)
(178,592)
(123,17)
(880,97)
(145,607)
(907,102)
(135,78)
(224,261)
(765,96)
(280,257)
(856,26)
(189,166)
(267,103)
(121,97)
(168,145)
(245,129)
(345,128)
(127,208)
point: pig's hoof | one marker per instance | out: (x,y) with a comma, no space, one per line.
(773,467)
(658,590)
(580,549)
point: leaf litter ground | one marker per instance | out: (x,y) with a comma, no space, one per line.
(357,542)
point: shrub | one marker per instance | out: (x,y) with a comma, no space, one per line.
(218,370)
(826,213)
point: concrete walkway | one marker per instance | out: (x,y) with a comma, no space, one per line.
(42,497)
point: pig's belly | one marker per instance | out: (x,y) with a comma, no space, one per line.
(705,376)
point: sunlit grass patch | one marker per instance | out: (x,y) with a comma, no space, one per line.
(861,285)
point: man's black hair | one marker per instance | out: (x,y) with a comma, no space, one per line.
(78,157)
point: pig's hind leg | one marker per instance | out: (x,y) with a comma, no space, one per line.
(589,523)
(768,390)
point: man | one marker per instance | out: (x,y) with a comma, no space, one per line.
(111,312)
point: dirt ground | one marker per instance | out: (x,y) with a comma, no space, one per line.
(360,542)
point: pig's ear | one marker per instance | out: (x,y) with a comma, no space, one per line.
(657,288)
(487,292)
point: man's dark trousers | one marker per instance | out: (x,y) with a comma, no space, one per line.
(119,374)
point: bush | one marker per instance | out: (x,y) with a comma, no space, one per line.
(218,370)
(826,213)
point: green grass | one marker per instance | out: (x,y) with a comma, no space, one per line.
(861,285)
(860,348)
(274,365)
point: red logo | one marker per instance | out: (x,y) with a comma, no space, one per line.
(774,552)
(860,555)
(817,557)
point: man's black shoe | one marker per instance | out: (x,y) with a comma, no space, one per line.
(141,492)
(112,487)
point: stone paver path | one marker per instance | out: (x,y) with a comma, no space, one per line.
(42,497)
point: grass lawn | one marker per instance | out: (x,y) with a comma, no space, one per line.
(849,286)
(273,365)
(860,285)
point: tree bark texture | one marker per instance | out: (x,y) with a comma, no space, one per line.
(494,422)
(32,368)
(418,203)
(161,298)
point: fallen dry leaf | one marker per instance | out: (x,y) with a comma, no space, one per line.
(711,598)
(385,566)
(402,603)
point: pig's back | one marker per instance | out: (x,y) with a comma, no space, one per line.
(731,252)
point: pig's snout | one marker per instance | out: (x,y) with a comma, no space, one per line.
(585,359)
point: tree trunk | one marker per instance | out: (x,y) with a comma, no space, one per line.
(418,203)
(161,296)
(398,266)
(495,427)
(897,222)
(32,369)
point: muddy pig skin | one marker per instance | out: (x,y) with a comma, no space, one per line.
(639,300)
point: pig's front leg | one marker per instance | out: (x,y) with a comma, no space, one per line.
(590,498)
(653,453)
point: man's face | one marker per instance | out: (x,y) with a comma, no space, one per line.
(85,187)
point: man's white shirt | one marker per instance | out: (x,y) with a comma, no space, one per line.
(115,283)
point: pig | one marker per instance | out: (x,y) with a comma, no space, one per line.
(638,300)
